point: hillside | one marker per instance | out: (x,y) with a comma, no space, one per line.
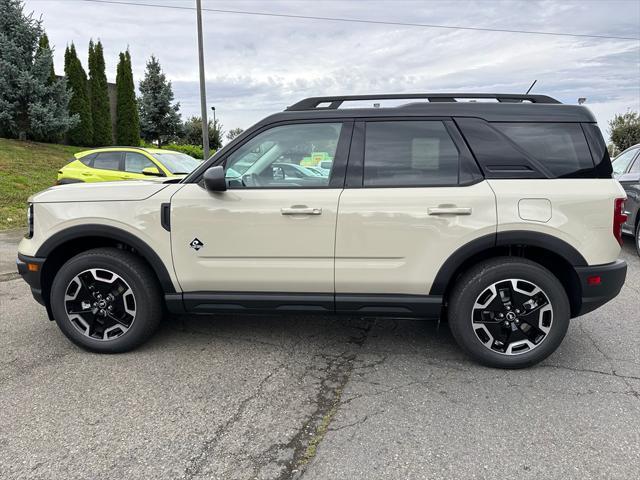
(26,168)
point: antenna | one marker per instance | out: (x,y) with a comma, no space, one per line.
(534,82)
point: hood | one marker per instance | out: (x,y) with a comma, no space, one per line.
(130,190)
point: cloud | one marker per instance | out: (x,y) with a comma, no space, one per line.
(258,65)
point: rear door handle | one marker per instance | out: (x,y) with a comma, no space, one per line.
(449,210)
(301,210)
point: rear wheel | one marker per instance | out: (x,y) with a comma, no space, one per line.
(106,300)
(508,312)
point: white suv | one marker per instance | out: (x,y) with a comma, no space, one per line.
(500,215)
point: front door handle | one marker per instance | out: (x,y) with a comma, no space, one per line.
(301,210)
(449,210)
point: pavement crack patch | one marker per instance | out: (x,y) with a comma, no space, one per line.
(196,463)
(6,277)
(335,377)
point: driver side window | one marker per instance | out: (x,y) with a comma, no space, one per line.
(295,156)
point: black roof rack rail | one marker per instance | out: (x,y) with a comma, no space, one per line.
(335,102)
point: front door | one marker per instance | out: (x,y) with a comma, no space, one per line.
(273,230)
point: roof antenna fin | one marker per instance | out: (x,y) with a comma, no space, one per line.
(534,82)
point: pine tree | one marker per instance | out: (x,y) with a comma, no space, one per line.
(43,44)
(159,119)
(32,103)
(81,134)
(127,122)
(99,95)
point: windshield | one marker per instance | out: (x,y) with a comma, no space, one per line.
(176,162)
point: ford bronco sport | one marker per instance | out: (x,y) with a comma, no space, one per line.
(500,215)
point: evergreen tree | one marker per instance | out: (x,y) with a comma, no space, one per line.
(81,134)
(159,118)
(32,103)
(99,94)
(43,44)
(127,122)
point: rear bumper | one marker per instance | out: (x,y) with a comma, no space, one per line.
(33,278)
(595,294)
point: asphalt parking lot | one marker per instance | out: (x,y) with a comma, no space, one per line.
(316,398)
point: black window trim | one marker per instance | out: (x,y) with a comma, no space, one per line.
(355,171)
(337,178)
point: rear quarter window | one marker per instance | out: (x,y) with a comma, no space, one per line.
(561,147)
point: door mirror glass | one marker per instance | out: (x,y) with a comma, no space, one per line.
(214,180)
(151,171)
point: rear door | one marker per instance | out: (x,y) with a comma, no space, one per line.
(414,195)
(106,166)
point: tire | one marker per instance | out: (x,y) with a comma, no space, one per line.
(135,300)
(530,337)
(637,236)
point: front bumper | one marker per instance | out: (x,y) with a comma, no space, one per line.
(30,268)
(596,293)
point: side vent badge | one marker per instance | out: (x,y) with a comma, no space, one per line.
(196,244)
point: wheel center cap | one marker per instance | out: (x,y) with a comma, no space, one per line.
(511,316)
(102,304)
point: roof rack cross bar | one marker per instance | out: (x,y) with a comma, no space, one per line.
(335,102)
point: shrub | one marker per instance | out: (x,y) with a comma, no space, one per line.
(193,150)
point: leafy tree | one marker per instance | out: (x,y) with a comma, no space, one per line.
(99,94)
(233,133)
(127,121)
(82,133)
(33,104)
(192,133)
(625,130)
(159,118)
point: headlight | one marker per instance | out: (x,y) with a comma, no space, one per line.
(30,220)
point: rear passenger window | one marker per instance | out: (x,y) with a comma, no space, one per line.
(107,161)
(560,147)
(409,153)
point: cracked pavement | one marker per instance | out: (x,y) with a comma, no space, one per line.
(316,397)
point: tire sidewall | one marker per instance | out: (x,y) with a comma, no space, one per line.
(471,286)
(132,273)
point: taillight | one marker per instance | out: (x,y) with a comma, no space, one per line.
(619,218)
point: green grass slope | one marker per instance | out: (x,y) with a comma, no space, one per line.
(26,168)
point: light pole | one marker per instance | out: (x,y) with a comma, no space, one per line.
(203,94)
(215,128)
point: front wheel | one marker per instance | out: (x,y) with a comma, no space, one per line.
(508,312)
(106,300)
(638,237)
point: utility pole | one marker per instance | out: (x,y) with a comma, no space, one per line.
(203,93)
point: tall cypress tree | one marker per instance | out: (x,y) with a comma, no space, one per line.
(99,94)
(127,122)
(81,134)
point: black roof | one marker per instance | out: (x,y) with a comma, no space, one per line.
(506,108)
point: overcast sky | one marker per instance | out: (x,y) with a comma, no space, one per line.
(256,65)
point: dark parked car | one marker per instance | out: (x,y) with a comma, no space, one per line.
(626,169)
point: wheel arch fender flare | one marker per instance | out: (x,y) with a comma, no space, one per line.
(113,234)
(493,242)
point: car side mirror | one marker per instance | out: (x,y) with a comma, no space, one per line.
(278,173)
(214,180)
(632,177)
(152,172)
